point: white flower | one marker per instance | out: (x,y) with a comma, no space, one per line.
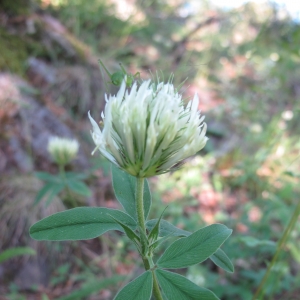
(148,131)
(62,150)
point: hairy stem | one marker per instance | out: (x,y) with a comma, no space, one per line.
(280,245)
(143,236)
(140,204)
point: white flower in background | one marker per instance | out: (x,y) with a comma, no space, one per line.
(62,150)
(148,130)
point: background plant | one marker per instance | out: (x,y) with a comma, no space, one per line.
(63,151)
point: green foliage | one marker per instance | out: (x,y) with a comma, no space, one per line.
(124,187)
(55,184)
(255,77)
(79,223)
(89,222)
(89,21)
(166,228)
(154,233)
(16,48)
(177,287)
(90,288)
(252,242)
(50,189)
(195,248)
(13,52)
(78,187)
(47,177)
(62,274)
(221,260)
(17,7)
(138,289)
(130,234)
(13,252)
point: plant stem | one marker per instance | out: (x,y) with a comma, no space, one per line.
(140,204)
(62,173)
(143,236)
(156,290)
(280,245)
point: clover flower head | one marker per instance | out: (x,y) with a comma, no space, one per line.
(62,150)
(147,130)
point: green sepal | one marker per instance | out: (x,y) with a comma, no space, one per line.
(222,260)
(79,223)
(177,287)
(195,248)
(138,289)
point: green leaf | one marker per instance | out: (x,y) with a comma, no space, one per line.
(167,229)
(129,232)
(159,242)
(47,177)
(91,288)
(79,223)
(153,235)
(138,289)
(124,186)
(17,251)
(78,187)
(252,242)
(56,189)
(43,191)
(222,260)
(74,175)
(177,287)
(45,297)
(195,248)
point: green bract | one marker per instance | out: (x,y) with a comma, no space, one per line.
(148,130)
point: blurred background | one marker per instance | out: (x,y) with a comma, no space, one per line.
(242,58)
